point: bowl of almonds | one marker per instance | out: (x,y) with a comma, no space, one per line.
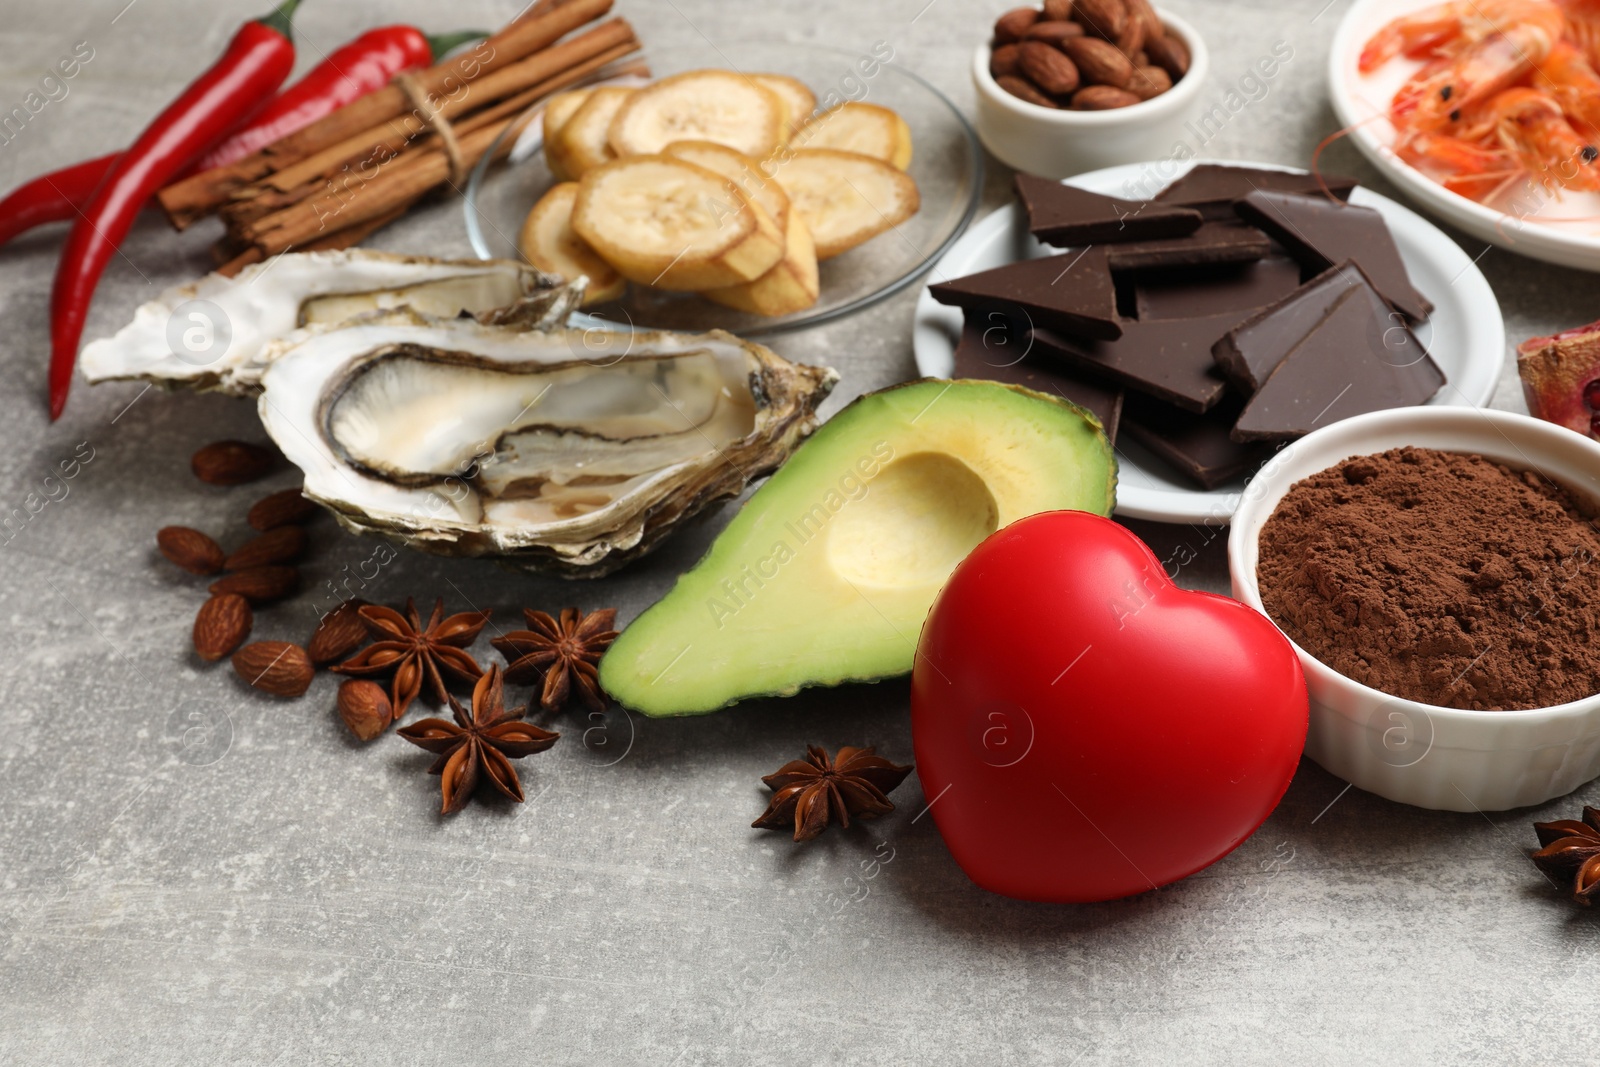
(1077,85)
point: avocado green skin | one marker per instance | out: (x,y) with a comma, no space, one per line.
(617,660)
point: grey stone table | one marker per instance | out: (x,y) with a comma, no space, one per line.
(276,893)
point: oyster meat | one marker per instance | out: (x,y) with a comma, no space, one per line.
(571,451)
(218,333)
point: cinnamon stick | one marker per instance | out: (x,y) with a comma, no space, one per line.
(197,196)
(377,148)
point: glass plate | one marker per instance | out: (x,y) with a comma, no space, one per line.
(947,164)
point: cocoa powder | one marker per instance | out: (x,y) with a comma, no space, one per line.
(1439,577)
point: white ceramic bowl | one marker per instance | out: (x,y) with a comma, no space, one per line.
(1418,753)
(1057,144)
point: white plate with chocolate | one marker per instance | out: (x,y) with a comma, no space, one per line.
(1210,314)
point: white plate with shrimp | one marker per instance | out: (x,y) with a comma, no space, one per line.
(1465,333)
(1559,226)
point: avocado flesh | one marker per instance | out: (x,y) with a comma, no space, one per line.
(826,574)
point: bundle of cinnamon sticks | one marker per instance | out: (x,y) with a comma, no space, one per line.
(339,179)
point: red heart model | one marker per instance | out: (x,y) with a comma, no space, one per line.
(1084,728)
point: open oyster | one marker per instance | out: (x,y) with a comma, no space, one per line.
(569,451)
(217,333)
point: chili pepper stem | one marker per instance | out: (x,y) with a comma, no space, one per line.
(442,44)
(281,18)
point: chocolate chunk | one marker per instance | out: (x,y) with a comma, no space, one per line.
(993,352)
(1214,242)
(1361,357)
(1213,188)
(1071,292)
(1197,446)
(1320,233)
(1249,352)
(1065,215)
(1167,358)
(1188,292)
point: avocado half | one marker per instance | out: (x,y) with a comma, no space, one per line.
(827,572)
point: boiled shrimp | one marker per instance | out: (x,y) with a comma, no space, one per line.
(1583,26)
(1533,129)
(1569,77)
(1478,48)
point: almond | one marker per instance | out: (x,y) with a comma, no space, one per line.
(286,508)
(364,707)
(1132,39)
(1148,82)
(190,549)
(275,667)
(1023,89)
(260,585)
(232,462)
(1168,53)
(339,633)
(283,545)
(1052,32)
(1004,61)
(1102,98)
(221,625)
(1048,67)
(1010,27)
(1099,62)
(1057,10)
(1143,11)
(1105,19)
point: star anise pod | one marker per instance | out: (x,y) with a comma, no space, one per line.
(481,742)
(1571,854)
(405,648)
(563,653)
(806,793)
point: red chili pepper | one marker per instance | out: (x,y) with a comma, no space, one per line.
(351,72)
(257,61)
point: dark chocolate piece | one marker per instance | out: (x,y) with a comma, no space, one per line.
(1214,242)
(1065,215)
(1197,446)
(1321,233)
(1187,292)
(1213,188)
(993,352)
(1361,357)
(1071,292)
(1167,358)
(1249,352)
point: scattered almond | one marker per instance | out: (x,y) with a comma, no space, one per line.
(1168,53)
(339,633)
(190,549)
(1099,62)
(364,708)
(1010,27)
(221,625)
(1103,18)
(1148,82)
(1005,61)
(260,585)
(1102,98)
(232,462)
(286,508)
(1052,32)
(276,667)
(1058,10)
(1048,67)
(282,545)
(1023,89)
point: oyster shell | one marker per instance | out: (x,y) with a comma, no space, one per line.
(218,333)
(572,451)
